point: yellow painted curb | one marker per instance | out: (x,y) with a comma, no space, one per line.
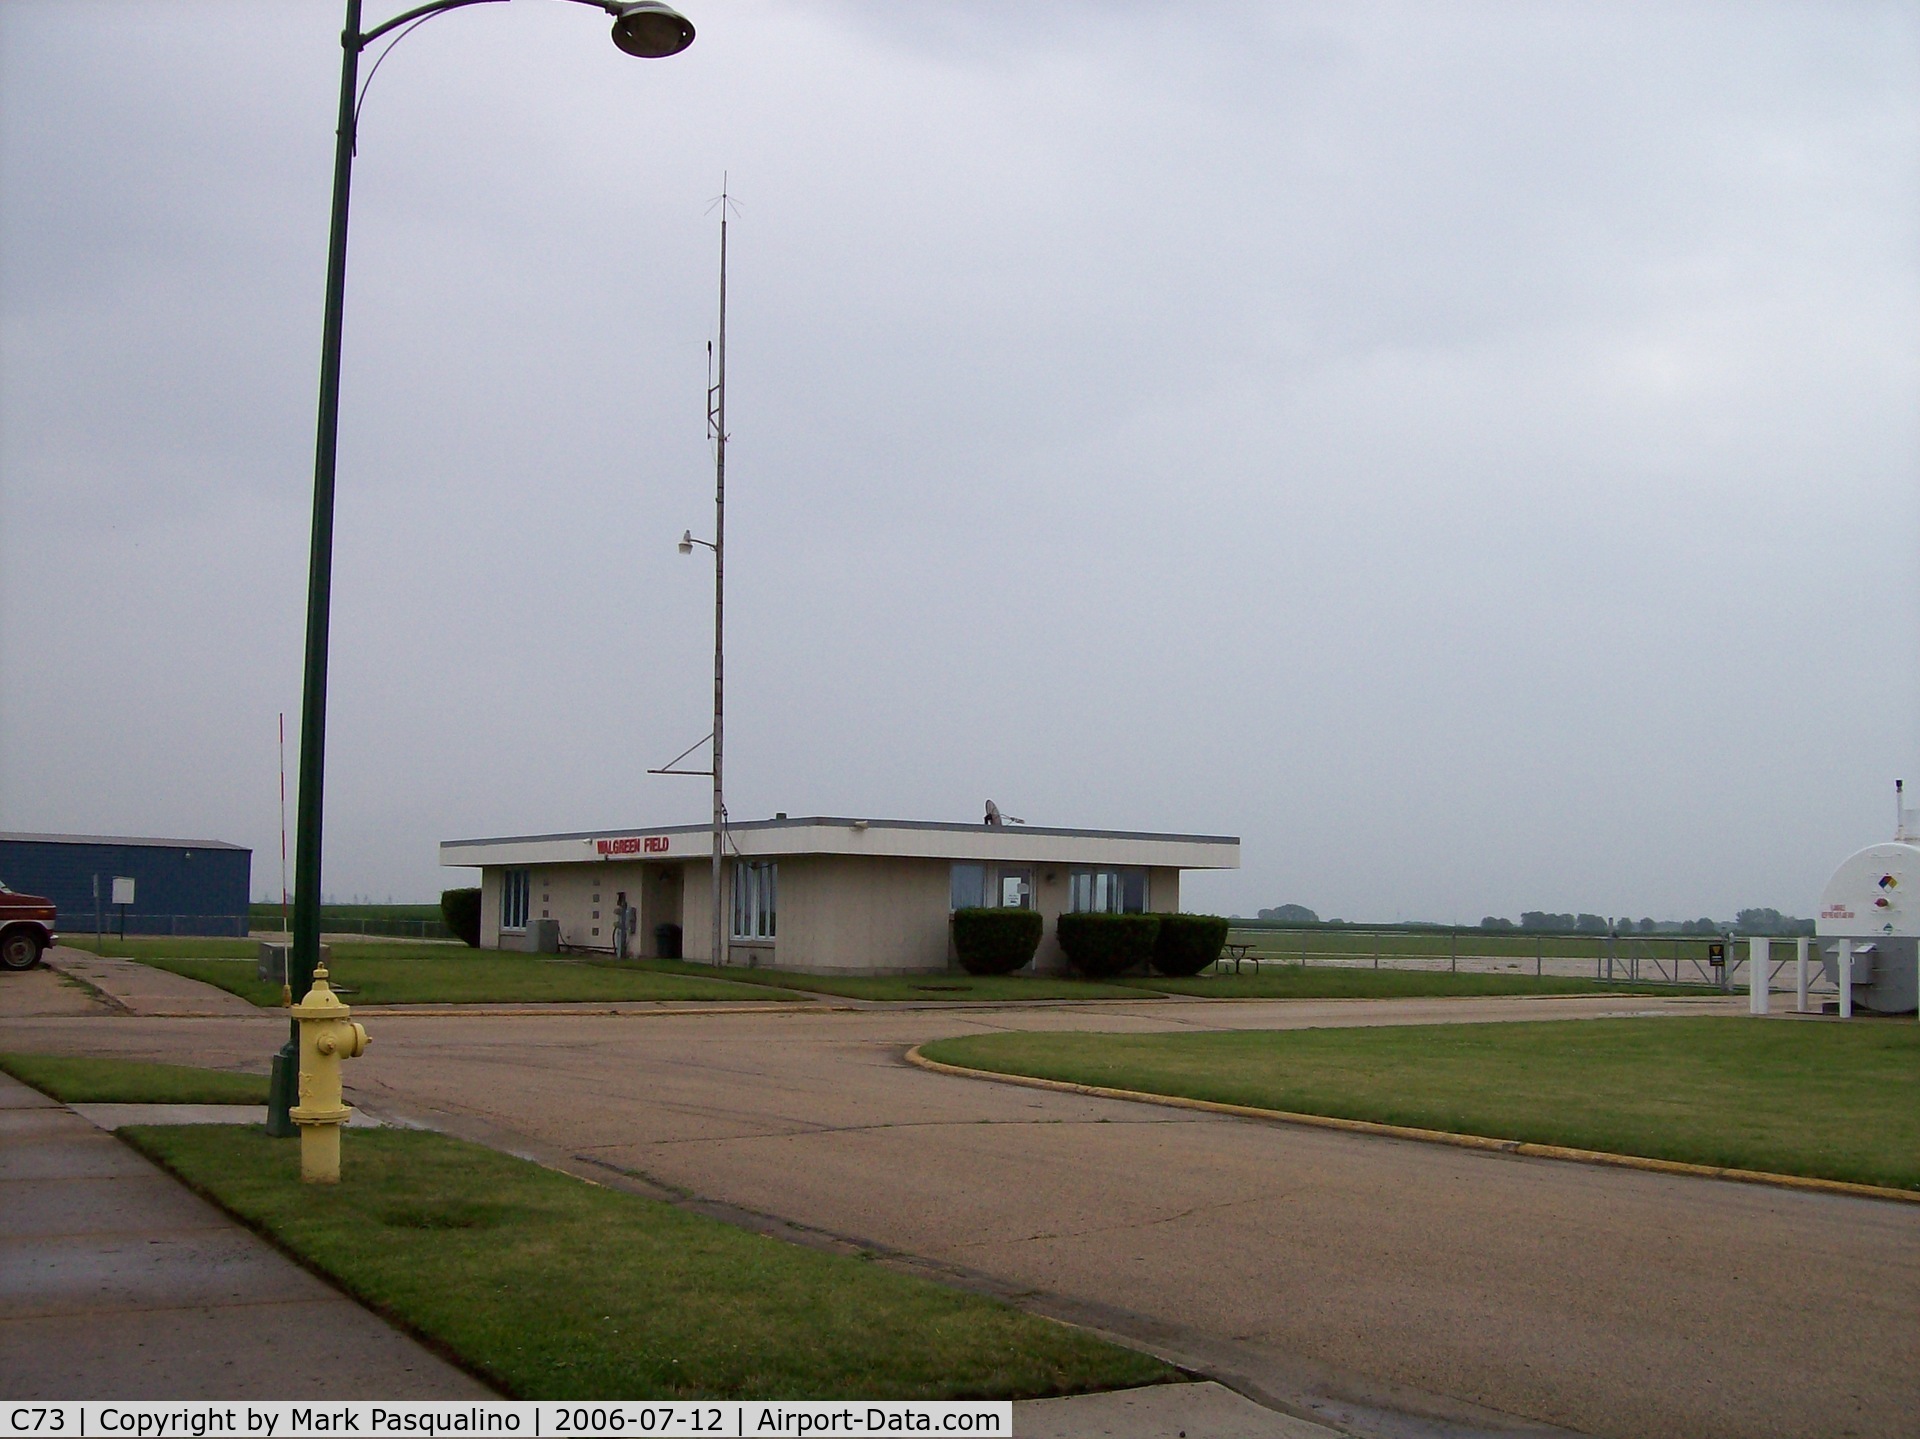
(1434,1136)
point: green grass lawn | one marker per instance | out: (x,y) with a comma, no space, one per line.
(86,1080)
(559,1289)
(1288,942)
(959,986)
(1292,981)
(1827,1100)
(1278,982)
(147,948)
(413,972)
(454,974)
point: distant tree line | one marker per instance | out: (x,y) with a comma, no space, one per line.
(1289,914)
(1539,921)
(1748,921)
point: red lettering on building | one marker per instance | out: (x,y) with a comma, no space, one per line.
(632,844)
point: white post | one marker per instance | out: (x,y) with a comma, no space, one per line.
(1800,947)
(1844,968)
(1759,973)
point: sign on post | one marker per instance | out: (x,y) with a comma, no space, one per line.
(122,889)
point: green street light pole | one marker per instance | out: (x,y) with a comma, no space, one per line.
(647,29)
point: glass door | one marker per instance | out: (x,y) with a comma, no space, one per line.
(1016,887)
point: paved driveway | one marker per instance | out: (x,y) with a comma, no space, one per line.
(1319,1268)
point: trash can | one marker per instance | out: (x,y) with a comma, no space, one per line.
(666,940)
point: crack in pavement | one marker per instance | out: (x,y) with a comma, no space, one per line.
(800,1129)
(1119,1226)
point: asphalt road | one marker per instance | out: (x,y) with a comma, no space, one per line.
(1354,1277)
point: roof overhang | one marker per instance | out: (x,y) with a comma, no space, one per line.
(879,838)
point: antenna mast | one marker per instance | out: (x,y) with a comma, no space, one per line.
(717,429)
(286,922)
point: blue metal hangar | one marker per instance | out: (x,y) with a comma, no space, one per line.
(159,886)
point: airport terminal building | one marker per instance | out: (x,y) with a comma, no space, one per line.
(817,895)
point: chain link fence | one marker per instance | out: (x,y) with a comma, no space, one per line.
(239,926)
(196,926)
(373,928)
(1637,959)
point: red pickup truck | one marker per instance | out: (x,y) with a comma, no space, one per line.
(26,928)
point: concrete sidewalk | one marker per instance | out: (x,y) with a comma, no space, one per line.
(136,988)
(116,1282)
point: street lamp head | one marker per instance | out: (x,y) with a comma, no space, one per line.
(686,543)
(651,30)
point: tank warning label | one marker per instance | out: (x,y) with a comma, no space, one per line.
(1836,911)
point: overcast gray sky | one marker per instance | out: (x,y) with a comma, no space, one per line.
(1469,450)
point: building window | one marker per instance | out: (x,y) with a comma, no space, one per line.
(756,892)
(967,887)
(1107,891)
(516,886)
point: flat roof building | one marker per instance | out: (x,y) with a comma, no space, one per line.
(817,895)
(174,886)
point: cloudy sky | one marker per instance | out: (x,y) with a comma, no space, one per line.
(1469,450)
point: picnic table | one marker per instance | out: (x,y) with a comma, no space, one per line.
(1237,955)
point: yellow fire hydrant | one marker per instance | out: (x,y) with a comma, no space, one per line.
(327,1037)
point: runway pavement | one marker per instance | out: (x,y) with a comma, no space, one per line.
(1364,1281)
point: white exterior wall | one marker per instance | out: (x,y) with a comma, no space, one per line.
(854,896)
(838,913)
(580,897)
(489,909)
(1163,891)
(845,914)
(696,924)
(1050,898)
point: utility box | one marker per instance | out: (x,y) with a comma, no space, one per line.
(274,955)
(543,936)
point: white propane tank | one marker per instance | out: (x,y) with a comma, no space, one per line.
(1873,900)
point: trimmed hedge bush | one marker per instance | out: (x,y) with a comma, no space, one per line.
(1102,945)
(461,910)
(1188,943)
(996,941)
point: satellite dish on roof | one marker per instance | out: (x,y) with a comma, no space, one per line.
(996,819)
